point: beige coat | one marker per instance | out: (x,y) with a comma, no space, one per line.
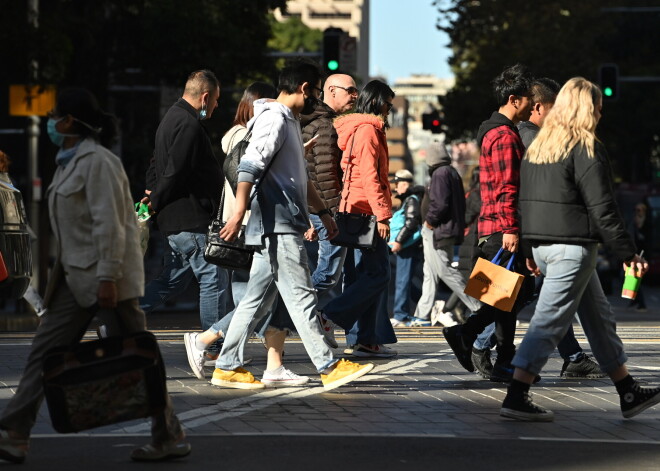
(92,217)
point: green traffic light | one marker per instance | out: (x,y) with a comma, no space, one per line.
(607,91)
(333,65)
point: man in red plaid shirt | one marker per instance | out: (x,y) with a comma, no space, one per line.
(499,224)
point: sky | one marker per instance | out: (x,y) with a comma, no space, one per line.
(405,41)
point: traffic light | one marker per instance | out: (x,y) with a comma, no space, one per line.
(431,121)
(609,81)
(331,50)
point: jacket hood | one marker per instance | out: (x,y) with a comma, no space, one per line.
(348,123)
(496,120)
(413,190)
(264,104)
(321,110)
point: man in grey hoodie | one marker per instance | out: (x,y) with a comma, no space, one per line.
(276,226)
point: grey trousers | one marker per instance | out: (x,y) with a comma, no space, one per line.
(437,266)
(64,324)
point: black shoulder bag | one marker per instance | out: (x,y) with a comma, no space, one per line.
(231,255)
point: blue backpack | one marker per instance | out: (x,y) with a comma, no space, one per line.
(396,224)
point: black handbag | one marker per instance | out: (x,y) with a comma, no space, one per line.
(356,231)
(102,382)
(233,255)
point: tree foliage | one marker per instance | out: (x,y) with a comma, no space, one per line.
(125,50)
(558,39)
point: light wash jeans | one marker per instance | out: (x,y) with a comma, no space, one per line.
(437,266)
(279,266)
(183,260)
(571,285)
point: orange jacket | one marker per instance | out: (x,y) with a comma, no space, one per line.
(366,189)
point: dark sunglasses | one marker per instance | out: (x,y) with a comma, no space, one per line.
(349,90)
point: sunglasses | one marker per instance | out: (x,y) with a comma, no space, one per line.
(349,90)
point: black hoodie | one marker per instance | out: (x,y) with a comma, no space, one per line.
(496,120)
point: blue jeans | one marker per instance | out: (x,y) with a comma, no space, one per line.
(326,263)
(571,285)
(279,266)
(406,263)
(239,280)
(183,260)
(365,300)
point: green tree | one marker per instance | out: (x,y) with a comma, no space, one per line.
(293,35)
(558,39)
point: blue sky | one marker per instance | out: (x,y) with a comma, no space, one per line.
(405,41)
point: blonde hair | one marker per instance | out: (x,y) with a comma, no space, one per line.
(570,122)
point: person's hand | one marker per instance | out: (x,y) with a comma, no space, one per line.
(311,143)
(396,247)
(107,294)
(384,230)
(638,264)
(330,226)
(146,200)
(428,226)
(532,267)
(311,234)
(510,242)
(231,229)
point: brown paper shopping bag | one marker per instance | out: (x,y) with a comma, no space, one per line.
(493,284)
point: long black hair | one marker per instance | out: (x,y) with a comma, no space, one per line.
(372,97)
(90,119)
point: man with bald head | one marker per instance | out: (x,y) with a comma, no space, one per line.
(339,96)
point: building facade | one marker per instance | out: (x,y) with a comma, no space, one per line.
(351,16)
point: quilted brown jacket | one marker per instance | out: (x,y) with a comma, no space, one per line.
(323,159)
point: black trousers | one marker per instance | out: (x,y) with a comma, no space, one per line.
(505,322)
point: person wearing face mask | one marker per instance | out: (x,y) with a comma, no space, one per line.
(98,266)
(361,310)
(185,179)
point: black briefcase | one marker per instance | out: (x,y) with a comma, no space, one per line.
(103,382)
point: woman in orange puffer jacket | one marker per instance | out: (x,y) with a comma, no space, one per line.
(362,308)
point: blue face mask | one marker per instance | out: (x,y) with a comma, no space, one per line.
(55,136)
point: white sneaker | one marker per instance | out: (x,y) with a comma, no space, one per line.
(446,319)
(397,322)
(286,378)
(196,357)
(436,311)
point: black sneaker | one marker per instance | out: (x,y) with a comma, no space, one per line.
(638,398)
(482,363)
(522,408)
(583,368)
(463,351)
(504,374)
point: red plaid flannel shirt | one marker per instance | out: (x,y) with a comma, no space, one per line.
(499,164)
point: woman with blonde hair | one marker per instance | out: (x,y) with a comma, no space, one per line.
(568,207)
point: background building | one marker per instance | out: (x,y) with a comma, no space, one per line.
(352,16)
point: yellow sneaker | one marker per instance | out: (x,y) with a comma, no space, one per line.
(238,378)
(344,372)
